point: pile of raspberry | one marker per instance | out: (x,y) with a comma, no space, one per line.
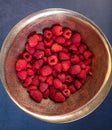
(54,64)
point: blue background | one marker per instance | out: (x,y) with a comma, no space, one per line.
(11,12)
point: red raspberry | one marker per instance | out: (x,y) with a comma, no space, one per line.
(43,87)
(58,67)
(22,75)
(59,97)
(72,89)
(69,78)
(57,30)
(62,77)
(60,40)
(75,59)
(56,47)
(39,54)
(48,34)
(49,80)
(35,81)
(82,74)
(36,95)
(77,84)
(48,52)
(46,70)
(67,33)
(38,64)
(67,43)
(57,83)
(27,56)
(33,40)
(32,88)
(40,46)
(48,42)
(30,72)
(65,65)
(42,78)
(75,69)
(64,56)
(52,92)
(21,64)
(76,38)
(88,62)
(82,48)
(87,54)
(66,92)
(46,94)
(73,49)
(31,50)
(27,82)
(52,60)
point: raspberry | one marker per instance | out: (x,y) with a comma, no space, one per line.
(36,95)
(30,72)
(48,34)
(40,46)
(52,92)
(59,97)
(21,64)
(62,77)
(42,78)
(48,42)
(67,43)
(33,40)
(82,48)
(22,75)
(64,56)
(66,92)
(77,84)
(88,62)
(43,87)
(52,60)
(47,52)
(39,54)
(82,74)
(75,59)
(31,50)
(49,80)
(27,82)
(57,83)
(58,67)
(56,47)
(76,69)
(27,56)
(76,38)
(65,65)
(32,88)
(46,93)
(69,78)
(35,81)
(46,70)
(67,33)
(60,40)
(87,54)
(72,89)
(38,64)
(57,30)
(73,49)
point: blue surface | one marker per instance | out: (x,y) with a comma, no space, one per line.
(11,12)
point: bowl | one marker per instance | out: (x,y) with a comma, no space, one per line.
(84,101)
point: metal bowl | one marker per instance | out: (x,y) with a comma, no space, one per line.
(84,101)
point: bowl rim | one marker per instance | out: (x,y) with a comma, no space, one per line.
(95,101)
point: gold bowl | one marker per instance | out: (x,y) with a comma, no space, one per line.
(84,101)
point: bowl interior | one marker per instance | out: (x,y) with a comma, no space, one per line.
(93,84)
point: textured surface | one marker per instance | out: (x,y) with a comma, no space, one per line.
(11,117)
